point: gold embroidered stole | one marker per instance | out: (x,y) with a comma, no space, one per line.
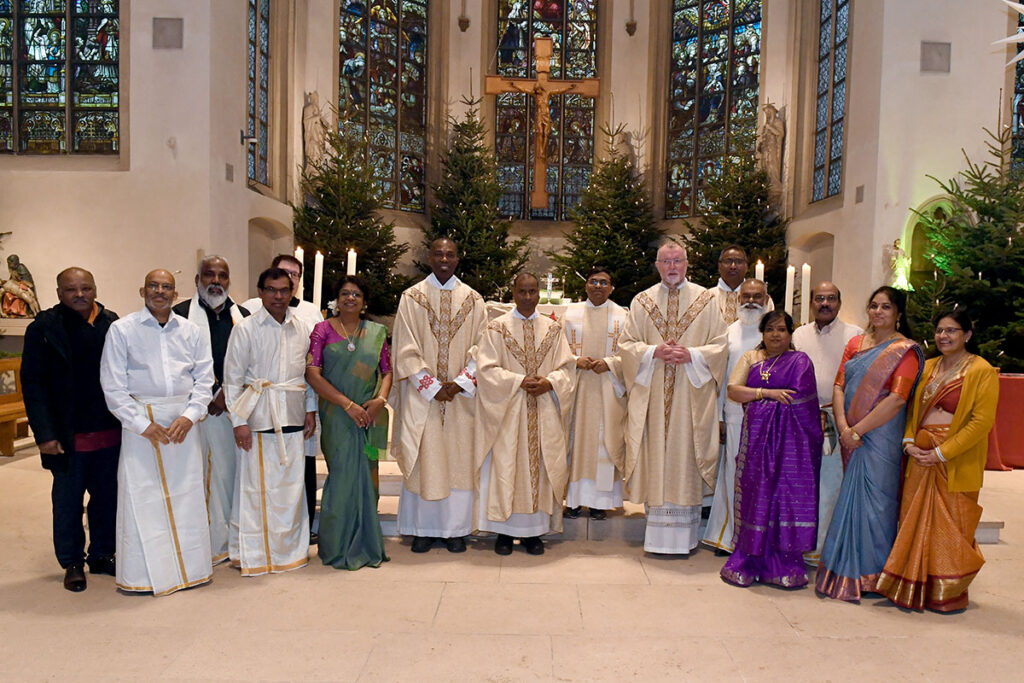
(731,301)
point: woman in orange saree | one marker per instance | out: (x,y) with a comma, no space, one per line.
(935,556)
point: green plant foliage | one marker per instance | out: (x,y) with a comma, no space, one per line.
(340,210)
(615,228)
(465,210)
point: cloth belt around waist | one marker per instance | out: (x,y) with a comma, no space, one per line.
(251,394)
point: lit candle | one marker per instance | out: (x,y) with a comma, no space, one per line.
(805,294)
(350,266)
(979,274)
(790,276)
(299,256)
(318,279)
(551,280)
(935,275)
(759,271)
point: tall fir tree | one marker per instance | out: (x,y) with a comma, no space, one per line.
(739,211)
(978,260)
(465,210)
(340,210)
(615,228)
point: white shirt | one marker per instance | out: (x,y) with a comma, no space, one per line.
(145,360)
(825,349)
(262,348)
(742,338)
(429,385)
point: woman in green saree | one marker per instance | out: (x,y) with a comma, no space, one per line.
(349,366)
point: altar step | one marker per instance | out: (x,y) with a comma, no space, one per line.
(626,525)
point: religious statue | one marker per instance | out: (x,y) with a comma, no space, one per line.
(19,291)
(314,131)
(769,149)
(896,265)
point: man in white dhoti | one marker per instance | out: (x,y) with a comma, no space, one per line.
(743,335)
(308,312)
(273,412)
(597,443)
(524,389)
(438,324)
(157,378)
(674,353)
(213,311)
(823,341)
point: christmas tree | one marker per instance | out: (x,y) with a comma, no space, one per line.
(465,210)
(615,228)
(976,253)
(738,210)
(340,212)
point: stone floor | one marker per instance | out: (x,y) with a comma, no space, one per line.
(586,610)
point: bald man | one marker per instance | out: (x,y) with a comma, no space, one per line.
(157,377)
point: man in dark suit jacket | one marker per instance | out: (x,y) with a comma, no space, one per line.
(79,440)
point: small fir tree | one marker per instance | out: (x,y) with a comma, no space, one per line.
(739,211)
(978,260)
(465,210)
(340,211)
(615,228)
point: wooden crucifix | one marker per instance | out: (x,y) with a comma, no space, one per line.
(541,88)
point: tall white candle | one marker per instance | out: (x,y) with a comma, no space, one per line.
(551,280)
(759,271)
(300,255)
(805,294)
(790,276)
(318,279)
(350,266)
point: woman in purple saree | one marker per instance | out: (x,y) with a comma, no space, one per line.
(778,462)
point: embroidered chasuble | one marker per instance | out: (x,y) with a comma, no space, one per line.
(525,434)
(672,426)
(435,334)
(599,408)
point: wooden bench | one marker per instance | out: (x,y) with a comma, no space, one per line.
(12,406)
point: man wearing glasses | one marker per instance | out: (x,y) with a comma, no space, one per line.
(597,444)
(732,270)
(823,341)
(157,376)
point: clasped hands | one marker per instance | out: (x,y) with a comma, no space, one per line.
(922,456)
(672,353)
(535,386)
(448,391)
(596,365)
(366,414)
(176,433)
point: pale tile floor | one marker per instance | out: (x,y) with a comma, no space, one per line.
(588,611)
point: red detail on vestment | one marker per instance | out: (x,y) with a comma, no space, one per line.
(425,383)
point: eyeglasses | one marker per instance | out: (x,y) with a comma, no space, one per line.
(599,283)
(159,287)
(822,298)
(733,262)
(350,295)
(291,273)
(948,330)
(278,291)
(672,261)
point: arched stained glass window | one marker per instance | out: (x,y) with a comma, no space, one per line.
(830,109)
(382,91)
(1017,116)
(259,90)
(713,90)
(572,27)
(42,109)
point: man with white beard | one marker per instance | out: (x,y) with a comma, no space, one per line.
(743,335)
(216,315)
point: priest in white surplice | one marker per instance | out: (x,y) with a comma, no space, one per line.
(824,340)
(157,376)
(743,335)
(273,412)
(674,353)
(213,311)
(438,324)
(524,389)
(597,445)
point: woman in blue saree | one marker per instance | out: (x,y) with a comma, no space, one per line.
(876,378)
(778,462)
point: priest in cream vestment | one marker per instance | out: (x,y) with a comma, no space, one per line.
(524,388)
(438,324)
(597,445)
(674,352)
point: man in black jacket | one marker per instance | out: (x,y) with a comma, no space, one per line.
(79,440)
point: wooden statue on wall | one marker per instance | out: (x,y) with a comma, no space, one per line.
(19,291)
(770,139)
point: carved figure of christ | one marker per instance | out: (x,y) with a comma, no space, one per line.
(541,88)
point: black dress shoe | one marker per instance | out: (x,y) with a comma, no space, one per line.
(314,539)
(421,544)
(101,565)
(503,545)
(455,545)
(573,513)
(533,545)
(598,514)
(74,578)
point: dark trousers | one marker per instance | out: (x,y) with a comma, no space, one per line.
(311,488)
(95,472)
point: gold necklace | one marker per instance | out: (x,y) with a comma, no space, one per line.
(767,374)
(348,337)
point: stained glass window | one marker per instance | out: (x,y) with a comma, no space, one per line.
(830,107)
(259,90)
(572,27)
(713,91)
(41,43)
(382,92)
(1017,155)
